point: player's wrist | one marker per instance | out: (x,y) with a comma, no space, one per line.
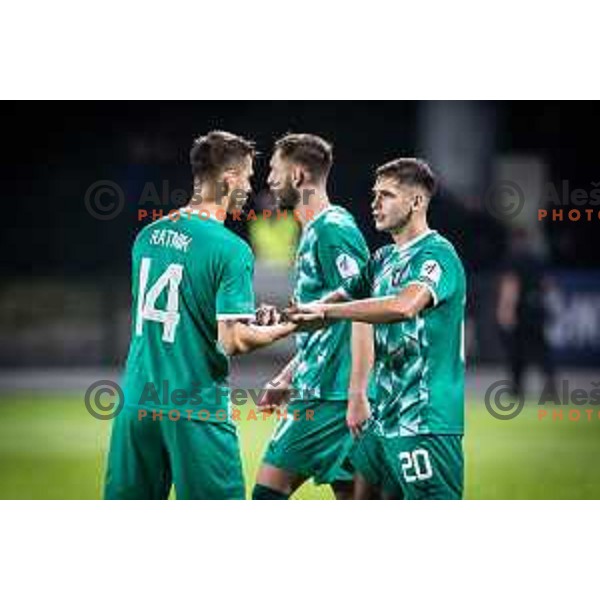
(325,311)
(284,329)
(357,396)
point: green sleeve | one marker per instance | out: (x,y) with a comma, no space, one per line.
(437,269)
(359,286)
(235,294)
(342,252)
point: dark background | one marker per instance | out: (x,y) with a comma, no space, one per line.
(53,151)
(64,270)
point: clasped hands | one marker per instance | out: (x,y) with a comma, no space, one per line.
(306,317)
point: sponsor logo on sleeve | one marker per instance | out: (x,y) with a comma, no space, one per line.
(431,271)
(347,266)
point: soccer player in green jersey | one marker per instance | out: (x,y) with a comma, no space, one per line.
(328,375)
(413,291)
(193,305)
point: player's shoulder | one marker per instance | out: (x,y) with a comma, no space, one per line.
(337,214)
(145,233)
(441,251)
(438,244)
(336,221)
(228,242)
(206,233)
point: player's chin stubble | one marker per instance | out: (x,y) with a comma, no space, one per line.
(399,224)
(288,197)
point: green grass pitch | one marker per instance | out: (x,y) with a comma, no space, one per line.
(50,447)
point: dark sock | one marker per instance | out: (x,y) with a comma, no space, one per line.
(262,492)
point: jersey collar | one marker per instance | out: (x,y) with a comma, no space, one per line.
(324,211)
(197,211)
(415,240)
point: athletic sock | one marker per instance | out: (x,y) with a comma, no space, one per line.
(262,492)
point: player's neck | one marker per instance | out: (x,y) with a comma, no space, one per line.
(410,232)
(316,203)
(206,204)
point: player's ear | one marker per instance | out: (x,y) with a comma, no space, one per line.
(229,179)
(225,187)
(298,176)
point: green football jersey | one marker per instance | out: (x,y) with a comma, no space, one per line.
(417,384)
(186,275)
(331,250)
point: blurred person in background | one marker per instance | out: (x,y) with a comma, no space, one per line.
(522,315)
(272,237)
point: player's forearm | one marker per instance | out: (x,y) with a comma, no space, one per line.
(287,374)
(375,311)
(362,359)
(390,309)
(283,379)
(334,297)
(252,337)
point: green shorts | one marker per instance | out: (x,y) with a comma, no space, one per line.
(369,460)
(422,467)
(201,459)
(314,441)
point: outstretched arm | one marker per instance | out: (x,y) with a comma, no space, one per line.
(334,297)
(404,306)
(237,337)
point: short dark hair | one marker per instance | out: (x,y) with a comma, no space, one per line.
(216,151)
(410,171)
(308,150)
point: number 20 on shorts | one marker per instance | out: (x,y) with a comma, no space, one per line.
(416,465)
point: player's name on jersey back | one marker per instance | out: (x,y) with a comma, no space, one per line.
(169,238)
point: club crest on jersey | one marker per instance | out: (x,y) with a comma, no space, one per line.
(431,271)
(398,274)
(347,266)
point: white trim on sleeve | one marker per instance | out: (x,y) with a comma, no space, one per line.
(427,286)
(234,316)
